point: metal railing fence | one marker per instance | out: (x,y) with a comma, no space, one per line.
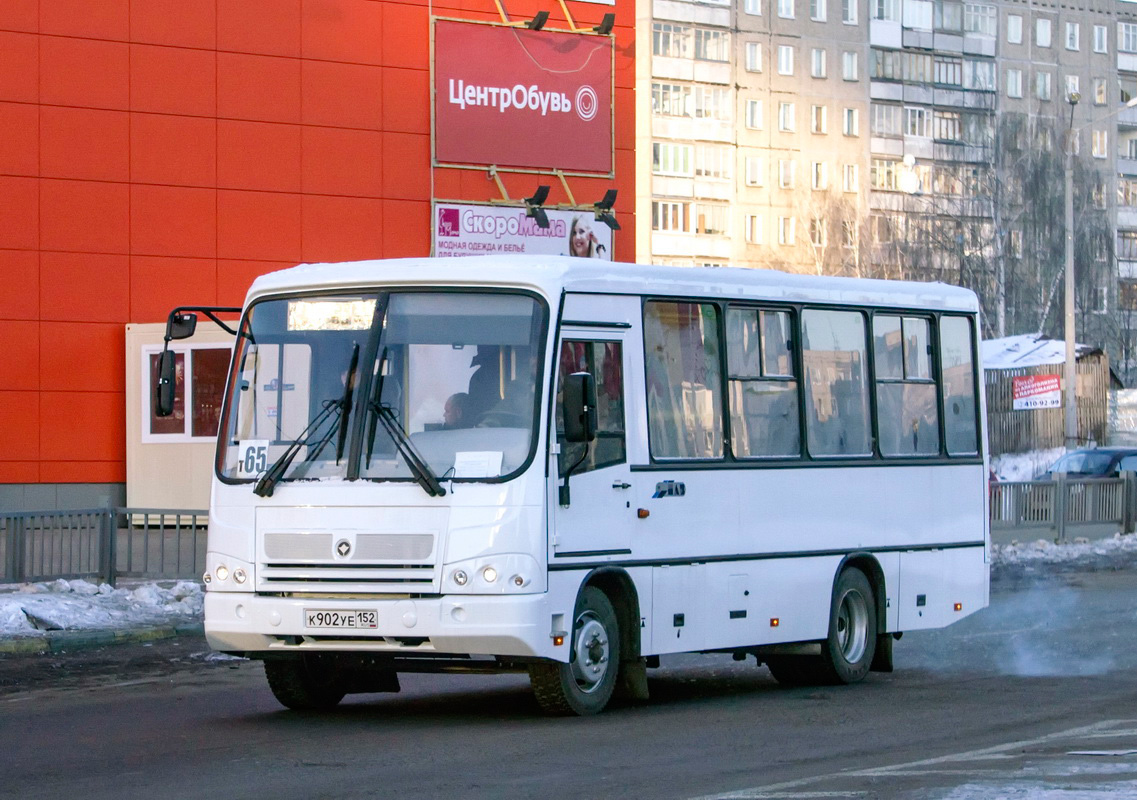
(102,544)
(1064,508)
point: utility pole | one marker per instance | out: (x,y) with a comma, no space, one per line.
(1071,368)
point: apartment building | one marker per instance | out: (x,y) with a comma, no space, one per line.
(898,138)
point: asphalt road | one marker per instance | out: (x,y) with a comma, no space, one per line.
(1035,697)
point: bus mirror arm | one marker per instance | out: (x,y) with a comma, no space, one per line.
(181,324)
(564,497)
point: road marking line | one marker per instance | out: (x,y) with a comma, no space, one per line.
(1083,731)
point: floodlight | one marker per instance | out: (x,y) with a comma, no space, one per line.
(603,210)
(538,21)
(606,24)
(533,206)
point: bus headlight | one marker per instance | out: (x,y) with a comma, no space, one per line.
(239,575)
(460,577)
(222,572)
(490,574)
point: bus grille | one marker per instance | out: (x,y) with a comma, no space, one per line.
(308,562)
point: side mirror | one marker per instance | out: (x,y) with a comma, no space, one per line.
(580,407)
(164,391)
(180,326)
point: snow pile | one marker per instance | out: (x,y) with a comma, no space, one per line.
(32,609)
(1044,551)
(1025,466)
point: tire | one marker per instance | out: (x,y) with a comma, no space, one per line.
(585,684)
(303,684)
(847,653)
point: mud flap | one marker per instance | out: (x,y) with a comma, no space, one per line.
(631,684)
(882,659)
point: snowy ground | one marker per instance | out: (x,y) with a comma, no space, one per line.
(34,609)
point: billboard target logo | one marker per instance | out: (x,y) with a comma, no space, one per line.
(586,104)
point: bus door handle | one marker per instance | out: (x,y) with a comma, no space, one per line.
(621,485)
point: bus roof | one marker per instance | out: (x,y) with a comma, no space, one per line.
(549,275)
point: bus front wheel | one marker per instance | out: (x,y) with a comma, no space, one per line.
(304,684)
(584,685)
(847,652)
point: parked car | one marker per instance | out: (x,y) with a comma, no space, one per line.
(1102,462)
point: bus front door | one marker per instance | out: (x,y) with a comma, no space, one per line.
(591,517)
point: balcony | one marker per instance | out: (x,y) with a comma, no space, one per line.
(1127,118)
(1127,166)
(703,13)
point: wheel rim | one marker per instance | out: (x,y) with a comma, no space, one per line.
(853,626)
(590,652)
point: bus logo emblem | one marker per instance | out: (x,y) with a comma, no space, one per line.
(343,547)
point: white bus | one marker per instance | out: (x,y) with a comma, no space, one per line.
(570,469)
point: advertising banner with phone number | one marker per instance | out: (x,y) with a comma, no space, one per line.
(474,230)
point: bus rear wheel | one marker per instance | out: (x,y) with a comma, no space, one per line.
(585,684)
(304,684)
(847,652)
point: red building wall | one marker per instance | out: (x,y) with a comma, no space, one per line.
(163,152)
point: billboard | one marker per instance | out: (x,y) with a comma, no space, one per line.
(473,230)
(1036,391)
(515,97)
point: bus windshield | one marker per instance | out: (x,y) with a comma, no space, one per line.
(408,385)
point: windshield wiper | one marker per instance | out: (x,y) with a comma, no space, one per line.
(345,401)
(426,479)
(267,483)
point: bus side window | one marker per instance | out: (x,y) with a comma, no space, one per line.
(907,413)
(836,383)
(762,383)
(604,361)
(958,370)
(684,381)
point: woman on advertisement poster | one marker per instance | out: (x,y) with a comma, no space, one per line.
(582,241)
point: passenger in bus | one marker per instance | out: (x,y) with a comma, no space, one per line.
(515,408)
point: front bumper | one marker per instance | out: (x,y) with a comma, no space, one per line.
(512,625)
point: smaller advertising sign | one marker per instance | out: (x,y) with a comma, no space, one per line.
(1036,391)
(472,230)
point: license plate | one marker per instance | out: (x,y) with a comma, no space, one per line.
(318,618)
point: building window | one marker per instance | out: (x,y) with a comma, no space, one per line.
(818,10)
(885,10)
(712,219)
(1100,142)
(1073,30)
(885,175)
(1071,86)
(1127,295)
(1014,83)
(668,158)
(785,230)
(1042,33)
(714,102)
(199,384)
(786,117)
(980,19)
(949,16)
(849,12)
(753,56)
(1016,243)
(714,161)
(1014,29)
(1042,85)
(711,45)
(884,64)
(916,67)
(849,178)
(1101,44)
(1099,91)
(787,169)
(817,62)
(849,233)
(918,15)
(979,75)
(918,122)
(670,41)
(885,120)
(818,119)
(668,216)
(1127,37)
(755,171)
(849,65)
(819,176)
(754,228)
(949,126)
(818,232)
(785,59)
(786,9)
(670,100)
(753,7)
(754,114)
(948,70)
(851,122)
